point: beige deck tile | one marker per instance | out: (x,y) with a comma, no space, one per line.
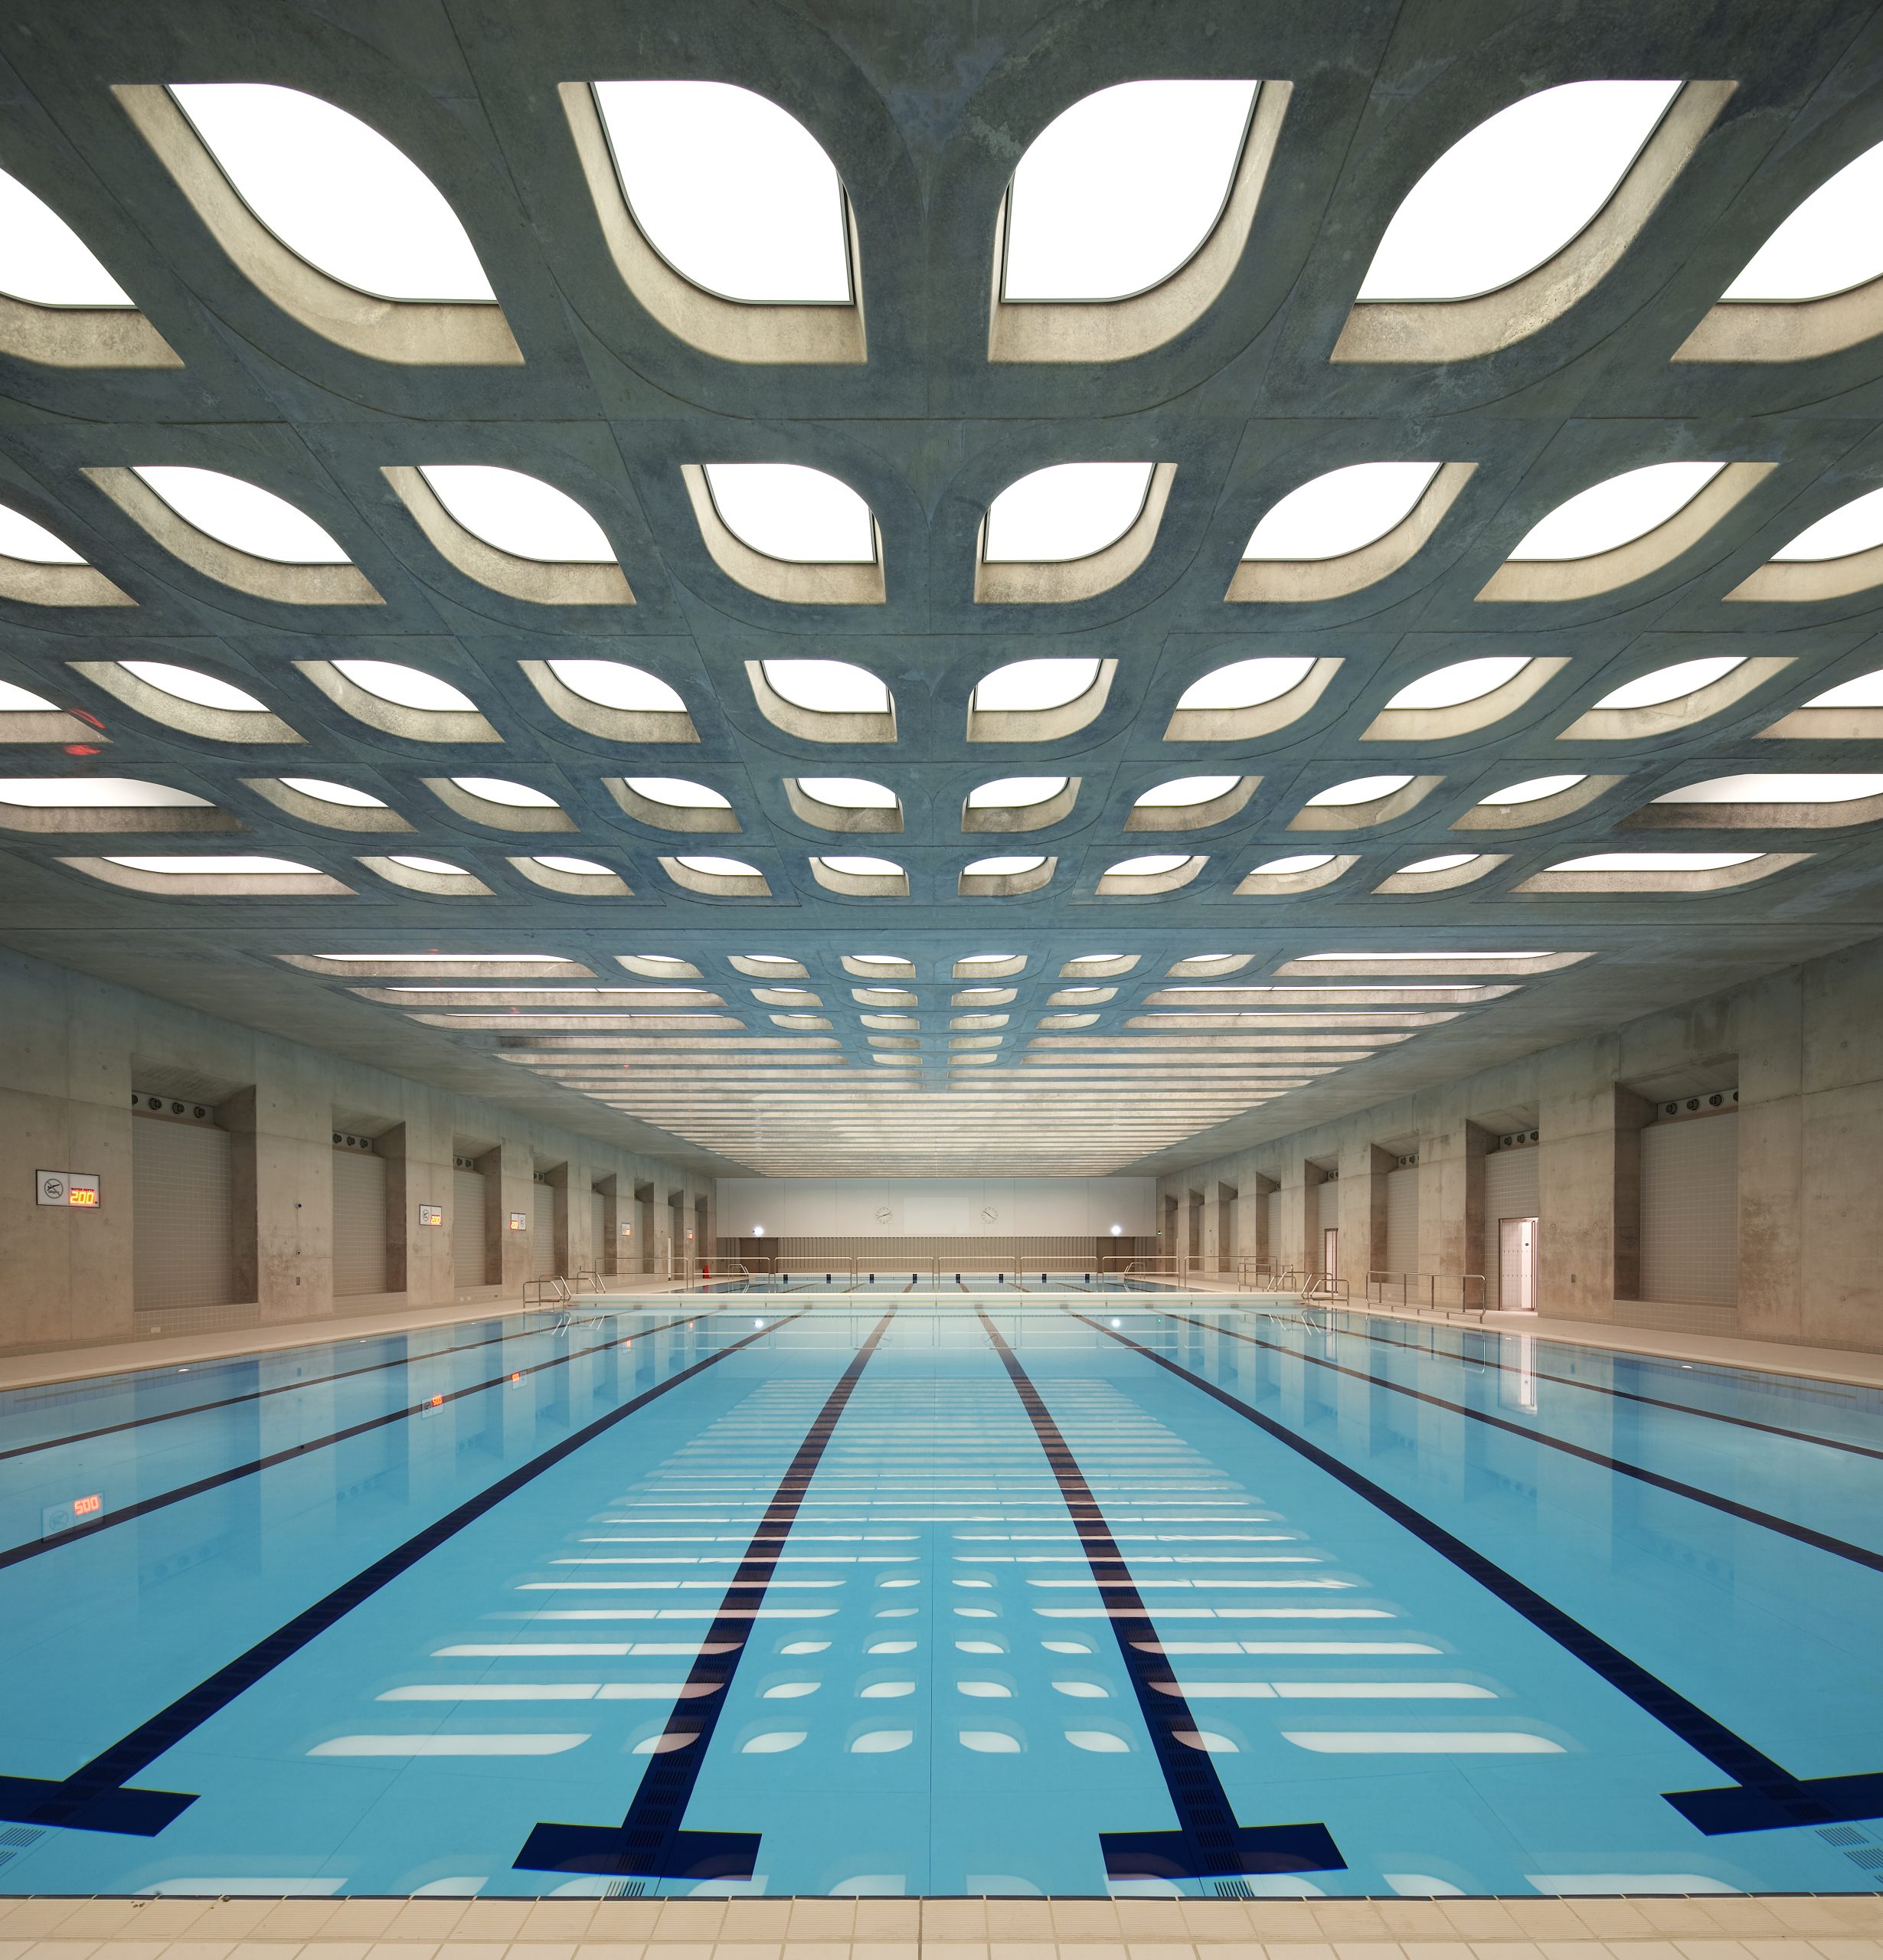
(1435,1949)
(816,1949)
(1299,1949)
(766,1921)
(287,1919)
(1479,1919)
(691,1920)
(1496,1949)
(1027,1919)
(1780,1946)
(897,1920)
(816,1920)
(737,1949)
(427,1919)
(400,1949)
(677,1949)
(1081,1921)
(558,1920)
(1212,1921)
(637,1920)
(235,1919)
(199,1949)
(1158,1949)
(62,1949)
(246,1949)
(1090,1949)
(1368,1949)
(886,1950)
(484,1919)
(543,1949)
(98,1919)
(358,1949)
(1846,1948)
(953,1949)
(1274,1920)
(1611,1919)
(1545,1919)
(1021,1949)
(954,1919)
(1740,1916)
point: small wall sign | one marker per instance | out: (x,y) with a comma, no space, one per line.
(431,1214)
(519,1221)
(74,1188)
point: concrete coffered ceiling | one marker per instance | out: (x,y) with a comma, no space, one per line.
(887,914)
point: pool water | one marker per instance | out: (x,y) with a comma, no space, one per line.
(1064,1592)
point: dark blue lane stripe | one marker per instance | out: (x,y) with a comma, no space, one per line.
(280,1388)
(1766,1795)
(1819,1541)
(94,1798)
(33,1547)
(1208,1842)
(651,1841)
(1621,1394)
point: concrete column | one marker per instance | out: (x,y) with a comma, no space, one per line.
(1225,1231)
(608,1254)
(1589,1184)
(1363,1169)
(509,1176)
(283,1176)
(1300,1245)
(418,1172)
(1256,1188)
(1775,1193)
(1451,1196)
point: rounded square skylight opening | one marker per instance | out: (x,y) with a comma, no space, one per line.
(1360,789)
(1535,789)
(677,793)
(1029,686)
(1342,512)
(827,687)
(323,791)
(242,515)
(1066,512)
(406,687)
(788,512)
(499,789)
(1464,680)
(521,514)
(185,684)
(1246,683)
(614,683)
(1615,512)
(1672,684)
(848,793)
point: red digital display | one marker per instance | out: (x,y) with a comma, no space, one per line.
(84,1507)
(82,1195)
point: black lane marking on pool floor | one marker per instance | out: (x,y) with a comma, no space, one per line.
(33,1547)
(1819,1541)
(1597,1387)
(1208,1843)
(94,1798)
(649,1842)
(280,1388)
(1764,1794)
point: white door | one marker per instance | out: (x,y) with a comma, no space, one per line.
(1330,1253)
(1516,1265)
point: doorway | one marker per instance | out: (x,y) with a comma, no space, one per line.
(1517,1265)
(1330,1252)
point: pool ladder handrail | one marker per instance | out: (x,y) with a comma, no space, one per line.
(1472,1292)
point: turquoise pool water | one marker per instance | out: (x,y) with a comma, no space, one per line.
(877,1593)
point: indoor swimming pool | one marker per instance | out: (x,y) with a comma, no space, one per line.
(1058,1593)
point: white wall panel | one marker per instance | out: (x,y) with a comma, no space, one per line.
(470,1247)
(1402,1219)
(542,1230)
(1510,1191)
(359,1223)
(183,1215)
(1690,1211)
(815,1207)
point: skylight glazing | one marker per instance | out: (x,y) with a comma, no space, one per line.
(827,687)
(199,690)
(1246,684)
(1185,791)
(1533,791)
(521,514)
(1117,192)
(1857,526)
(614,683)
(1001,867)
(1066,512)
(721,867)
(861,867)
(1672,684)
(322,792)
(20,537)
(1028,686)
(335,191)
(733,191)
(1830,243)
(1154,866)
(1361,789)
(436,867)
(848,792)
(20,701)
(1515,190)
(1344,511)
(95,792)
(1016,792)
(1777,789)
(1282,867)
(1466,680)
(584,868)
(1866,690)
(406,687)
(1611,514)
(499,789)
(216,867)
(1453,861)
(43,260)
(243,515)
(788,512)
(1658,860)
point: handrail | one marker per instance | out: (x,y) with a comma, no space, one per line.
(550,1288)
(1419,1292)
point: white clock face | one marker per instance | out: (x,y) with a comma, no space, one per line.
(988,1214)
(883,1214)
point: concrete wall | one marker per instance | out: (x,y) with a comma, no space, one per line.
(72,1051)
(958,1208)
(1805,1049)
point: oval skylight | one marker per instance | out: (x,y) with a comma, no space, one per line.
(1147,868)
(202,689)
(1066,512)
(1775,789)
(218,867)
(986,959)
(1184,791)
(1028,686)
(1857,526)
(1448,864)
(95,792)
(19,701)
(335,191)
(436,866)
(1672,684)
(1515,191)
(1465,680)
(1280,868)
(769,959)
(20,537)
(1866,690)
(1001,867)
(243,515)
(1657,860)
(406,687)
(788,512)
(827,687)
(1534,791)
(862,867)
(721,867)
(43,260)
(1611,514)
(734,193)
(614,683)
(848,792)
(1361,789)
(1342,512)
(521,514)
(331,792)
(1016,792)
(1117,192)
(586,867)
(1830,243)
(499,789)
(677,792)
(1246,684)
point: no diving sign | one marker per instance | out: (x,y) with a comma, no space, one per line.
(74,1188)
